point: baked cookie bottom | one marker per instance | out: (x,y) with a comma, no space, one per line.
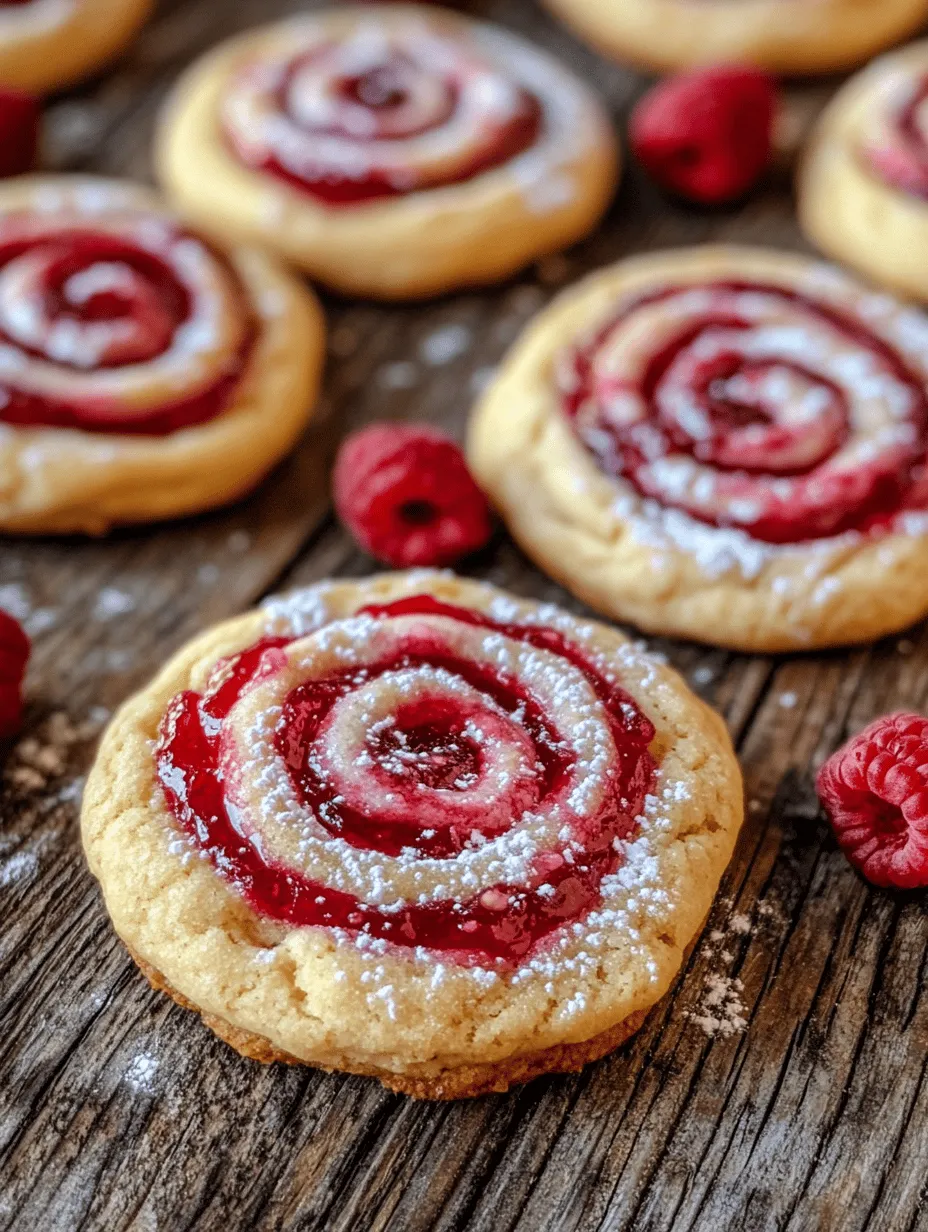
(464,1082)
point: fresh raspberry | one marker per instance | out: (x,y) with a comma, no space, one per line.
(14,655)
(406,495)
(875,792)
(706,135)
(19,131)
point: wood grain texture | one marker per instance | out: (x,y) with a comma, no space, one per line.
(120,1111)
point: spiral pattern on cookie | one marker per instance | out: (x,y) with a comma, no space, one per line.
(116,322)
(896,147)
(755,406)
(417,775)
(382,111)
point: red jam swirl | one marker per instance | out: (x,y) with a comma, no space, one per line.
(901,159)
(729,426)
(502,922)
(372,118)
(113,325)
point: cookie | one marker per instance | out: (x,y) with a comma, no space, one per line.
(725,444)
(863,181)
(144,373)
(388,150)
(416,828)
(785,36)
(48,44)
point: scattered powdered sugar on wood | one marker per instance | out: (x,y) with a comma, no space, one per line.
(445,344)
(19,867)
(71,131)
(112,602)
(16,600)
(721,1010)
(208,574)
(141,1072)
(481,380)
(239,542)
(401,374)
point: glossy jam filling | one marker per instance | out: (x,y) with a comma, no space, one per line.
(754,461)
(384,109)
(902,160)
(78,284)
(502,922)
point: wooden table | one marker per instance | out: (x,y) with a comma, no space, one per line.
(119,1110)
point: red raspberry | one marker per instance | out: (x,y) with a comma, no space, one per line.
(406,495)
(14,655)
(875,792)
(706,134)
(19,131)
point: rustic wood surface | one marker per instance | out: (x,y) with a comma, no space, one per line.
(120,1111)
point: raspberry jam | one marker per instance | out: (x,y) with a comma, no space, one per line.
(751,412)
(111,329)
(427,742)
(902,160)
(347,126)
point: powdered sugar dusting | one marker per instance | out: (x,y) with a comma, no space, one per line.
(446,344)
(635,901)
(721,1009)
(141,1073)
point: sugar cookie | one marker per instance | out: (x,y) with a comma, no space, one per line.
(727,444)
(413,827)
(785,36)
(143,373)
(390,151)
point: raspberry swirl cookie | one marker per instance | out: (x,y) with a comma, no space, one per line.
(416,828)
(143,373)
(863,183)
(48,44)
(389,151)
(785,36)
(725,444)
